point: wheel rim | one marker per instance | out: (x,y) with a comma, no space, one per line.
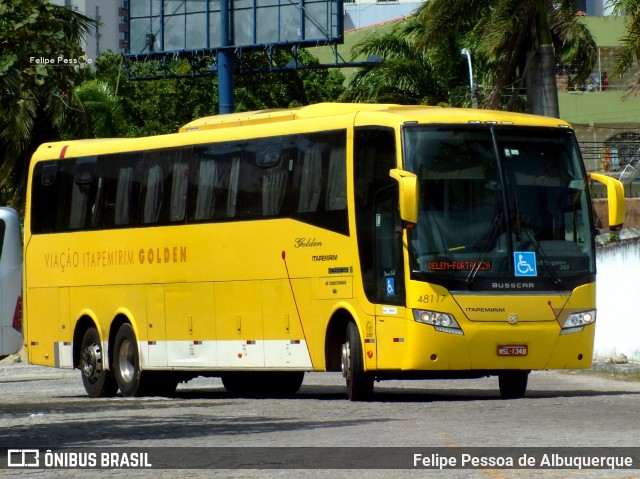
(126,363)
(92,362)
(346,360)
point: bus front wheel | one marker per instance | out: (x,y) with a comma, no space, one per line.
(97,381)
(359,383)
(513,384)
(126,362)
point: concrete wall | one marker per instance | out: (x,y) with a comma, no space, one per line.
(632,216)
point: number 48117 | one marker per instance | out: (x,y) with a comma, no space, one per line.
(431,298)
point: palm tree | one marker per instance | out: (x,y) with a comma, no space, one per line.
(520,41)
(102,110)
(406,73)
(36,98)
(629,53)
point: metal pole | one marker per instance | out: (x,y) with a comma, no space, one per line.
(225,62)
(474,93)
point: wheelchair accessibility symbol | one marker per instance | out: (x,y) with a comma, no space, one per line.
(525,263)
(391,286)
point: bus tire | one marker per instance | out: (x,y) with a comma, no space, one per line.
(126,362)
(513,384)
(359,382)
(97,381)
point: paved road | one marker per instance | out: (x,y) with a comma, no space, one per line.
(47,407)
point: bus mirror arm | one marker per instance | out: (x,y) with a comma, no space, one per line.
(615,199)
(407,195)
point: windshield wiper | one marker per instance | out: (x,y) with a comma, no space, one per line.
(493,229)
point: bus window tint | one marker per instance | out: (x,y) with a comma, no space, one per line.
(164,186)
(122,190)
(178,198)
(301,176)
(85,194)
(52,185)
(213,182)
(264,177)
(319,181)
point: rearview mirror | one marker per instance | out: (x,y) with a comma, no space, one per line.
(615,199)
(408,194)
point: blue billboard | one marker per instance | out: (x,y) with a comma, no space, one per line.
(182,26)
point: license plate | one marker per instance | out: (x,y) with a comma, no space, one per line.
(513,349)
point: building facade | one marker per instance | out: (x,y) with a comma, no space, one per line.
(109,34)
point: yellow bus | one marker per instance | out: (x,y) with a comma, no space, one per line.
(382,241)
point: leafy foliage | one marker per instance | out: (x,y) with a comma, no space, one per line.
(628,56)
(512,42)
(407,72)
(163,106)
(40,63)
(509,38)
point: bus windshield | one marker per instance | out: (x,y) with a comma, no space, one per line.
(499,203)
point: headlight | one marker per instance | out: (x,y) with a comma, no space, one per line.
(576,321)
(443,322)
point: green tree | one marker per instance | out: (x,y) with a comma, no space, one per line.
(407,73)
(628,55)
(40,63)
(102,110)
(164,105)
(519,42)
(284,89)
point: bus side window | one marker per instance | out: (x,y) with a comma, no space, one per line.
(153,192)
(309,182)
(121,186)
(122,207)
(232,187)
(202,185)
(277,164)
(45,195)
(179,183)
(164,186)
(214,177)
(336,198)
(85,192)
(249,192)
(319,190)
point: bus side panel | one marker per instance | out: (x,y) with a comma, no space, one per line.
(391,331)
(154,351)
(286,344)
(190,323)
(238,306)
(46,326)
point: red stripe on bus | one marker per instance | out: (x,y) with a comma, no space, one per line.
(63,151)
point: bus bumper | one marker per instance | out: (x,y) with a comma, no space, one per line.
(482,347)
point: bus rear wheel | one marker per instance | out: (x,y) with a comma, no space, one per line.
(359,383)
(513,384)
(97,381)
(126,362)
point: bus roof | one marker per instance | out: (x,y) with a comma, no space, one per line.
(420,113)
(319,116)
